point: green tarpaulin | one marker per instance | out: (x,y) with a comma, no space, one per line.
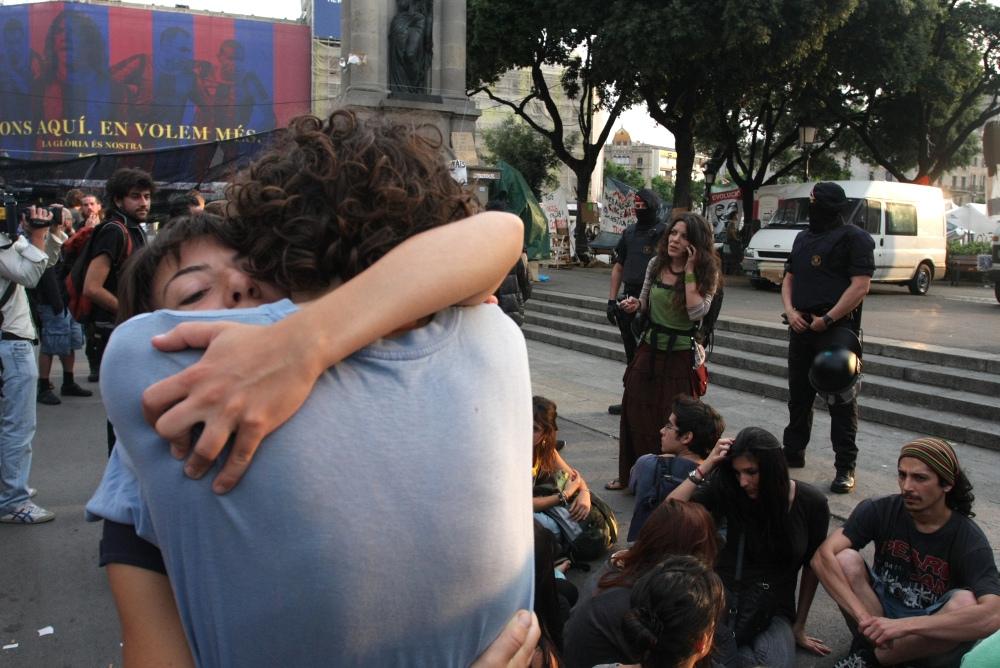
(521,201)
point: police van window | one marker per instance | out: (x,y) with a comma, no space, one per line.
(791,213)
(856,211)
(866,214)
(872,223)
(900,219)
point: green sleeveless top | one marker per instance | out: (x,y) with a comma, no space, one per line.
(663,311)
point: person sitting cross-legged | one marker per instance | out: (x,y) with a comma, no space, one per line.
(933,587)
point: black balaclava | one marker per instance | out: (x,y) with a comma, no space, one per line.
(826,205)
(646,217)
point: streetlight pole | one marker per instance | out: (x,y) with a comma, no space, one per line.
(807,137)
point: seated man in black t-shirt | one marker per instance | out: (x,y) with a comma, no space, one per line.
(933,588)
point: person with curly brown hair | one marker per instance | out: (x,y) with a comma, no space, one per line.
(331,546)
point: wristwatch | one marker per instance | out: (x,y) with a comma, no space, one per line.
(827,320)
(695,477)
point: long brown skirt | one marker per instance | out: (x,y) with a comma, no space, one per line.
(652,381)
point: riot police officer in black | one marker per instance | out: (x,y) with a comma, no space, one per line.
(827,276)
(635,249)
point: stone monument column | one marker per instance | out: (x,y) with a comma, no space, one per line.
(362,34)
(452,52)
(414,63)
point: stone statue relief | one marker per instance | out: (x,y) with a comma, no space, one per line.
(411,46)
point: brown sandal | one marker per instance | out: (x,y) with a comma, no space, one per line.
(615,485)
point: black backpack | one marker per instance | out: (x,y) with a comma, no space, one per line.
(600,532)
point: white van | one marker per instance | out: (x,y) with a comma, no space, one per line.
(905,220)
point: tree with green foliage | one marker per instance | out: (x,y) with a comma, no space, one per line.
(663,188)
(915,80)
(526,151)
(504,35)
(632,177)
(689,60)
(761,93)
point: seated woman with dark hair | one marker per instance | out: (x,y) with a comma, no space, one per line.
(685,440)
(773,527)
(594,632)
(675,609)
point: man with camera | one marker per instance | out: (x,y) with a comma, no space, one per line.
(21,264)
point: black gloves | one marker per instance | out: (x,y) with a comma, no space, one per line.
(613,311)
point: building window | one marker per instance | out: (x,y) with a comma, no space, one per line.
(963,183)
(954,181)
(638,161)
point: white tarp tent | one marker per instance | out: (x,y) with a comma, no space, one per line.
(973,218)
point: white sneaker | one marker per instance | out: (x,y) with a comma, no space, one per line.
(29,513)
(32,492)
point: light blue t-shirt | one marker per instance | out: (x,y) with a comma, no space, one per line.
(388,523)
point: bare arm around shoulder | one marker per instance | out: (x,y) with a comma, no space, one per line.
(252,379)
(152,635)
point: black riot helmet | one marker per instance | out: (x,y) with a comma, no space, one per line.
(836,370)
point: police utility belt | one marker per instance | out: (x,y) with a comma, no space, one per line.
(852,317)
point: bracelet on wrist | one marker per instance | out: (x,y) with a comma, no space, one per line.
(695,477)
(562,498)
(689,277)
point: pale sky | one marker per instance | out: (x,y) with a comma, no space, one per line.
(643,128)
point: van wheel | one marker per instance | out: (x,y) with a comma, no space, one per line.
(921,281)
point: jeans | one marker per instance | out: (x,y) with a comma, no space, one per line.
(802,348)
(773,647)
(17,421)
(60,334)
